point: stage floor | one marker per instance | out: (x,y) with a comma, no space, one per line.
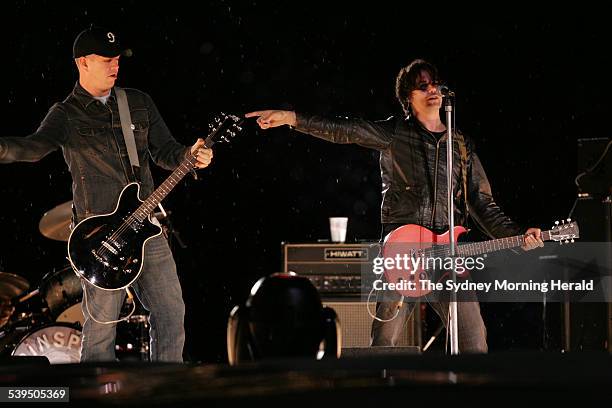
(408,379)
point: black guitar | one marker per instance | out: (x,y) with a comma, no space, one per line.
(108,250)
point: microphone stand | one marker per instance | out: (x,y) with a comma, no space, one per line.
(452,312)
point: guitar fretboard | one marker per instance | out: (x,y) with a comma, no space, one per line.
(477,248)
(164,189)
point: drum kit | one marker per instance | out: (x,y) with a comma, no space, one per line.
(47,321)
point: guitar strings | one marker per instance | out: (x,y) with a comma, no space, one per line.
(129,222)
(191,160)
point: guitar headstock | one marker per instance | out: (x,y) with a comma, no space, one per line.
(566,231)
(223,128)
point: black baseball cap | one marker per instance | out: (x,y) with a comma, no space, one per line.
(99,41)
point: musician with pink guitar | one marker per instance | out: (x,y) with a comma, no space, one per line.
(414,189)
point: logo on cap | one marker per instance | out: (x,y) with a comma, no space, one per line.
(99,41)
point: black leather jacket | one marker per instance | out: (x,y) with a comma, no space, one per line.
(413,170)
(89,134)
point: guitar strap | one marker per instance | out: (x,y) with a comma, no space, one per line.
(464,165)
(130,142)
(463,154)
(127,128)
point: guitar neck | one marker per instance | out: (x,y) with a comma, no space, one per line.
(477,248)
(185,167)
(164,189)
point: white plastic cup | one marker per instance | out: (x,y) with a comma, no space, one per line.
(337,227)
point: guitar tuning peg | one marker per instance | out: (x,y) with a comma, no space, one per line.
(556,222)
(562,221)
(572,240)
(560,242)
(569,220)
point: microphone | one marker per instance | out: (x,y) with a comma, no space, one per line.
(444,91)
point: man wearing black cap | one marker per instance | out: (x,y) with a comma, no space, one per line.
(87,127)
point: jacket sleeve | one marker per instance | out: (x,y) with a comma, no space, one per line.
(50,136)
(373,135)
(165,151)
(481,204)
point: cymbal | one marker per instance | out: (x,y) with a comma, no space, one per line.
(12,285)
(55,223)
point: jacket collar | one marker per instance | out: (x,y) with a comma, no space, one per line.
(84,97)
(427,135)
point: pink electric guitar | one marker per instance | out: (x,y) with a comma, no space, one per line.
(420,254)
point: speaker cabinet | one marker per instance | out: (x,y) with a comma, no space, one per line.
(356,324)
(588,326)
(336,271)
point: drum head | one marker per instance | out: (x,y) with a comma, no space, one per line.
(74,314)
(61,289)
(60,343)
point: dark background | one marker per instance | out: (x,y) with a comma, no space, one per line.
(528,86)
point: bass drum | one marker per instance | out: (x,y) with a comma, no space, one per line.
(59,342)
(61,290)
(74,314)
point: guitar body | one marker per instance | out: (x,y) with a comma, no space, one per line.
(410,240)
(106,250)
(412,254)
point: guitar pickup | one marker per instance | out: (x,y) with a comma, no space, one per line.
(109,247)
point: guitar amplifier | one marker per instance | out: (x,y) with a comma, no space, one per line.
(334,269)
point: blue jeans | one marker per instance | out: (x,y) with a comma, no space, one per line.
(159,291)
(471,329)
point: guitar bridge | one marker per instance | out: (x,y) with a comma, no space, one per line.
(99,258)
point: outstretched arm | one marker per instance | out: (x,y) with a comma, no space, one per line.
(273,118)
(373,135)
(50,136)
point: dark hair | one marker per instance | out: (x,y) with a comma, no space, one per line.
(406,80)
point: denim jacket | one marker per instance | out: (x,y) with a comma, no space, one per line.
(89,134)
